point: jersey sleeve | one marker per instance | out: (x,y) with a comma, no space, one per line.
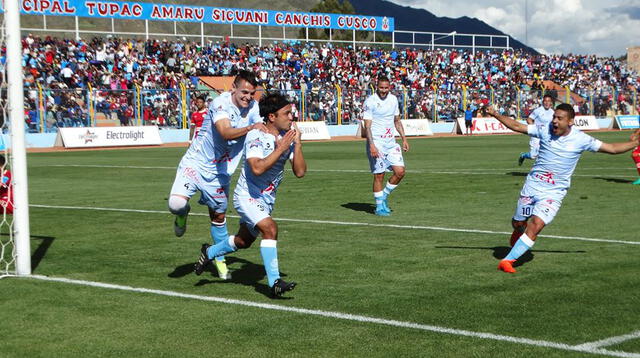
(218,111)
(254,145)
(533,130)
(396,111)
(590,144)
(254,114)
(367,112)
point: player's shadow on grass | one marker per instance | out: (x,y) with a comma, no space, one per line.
(366,207)
(41,250)
(248,274)
(615,180)
(518,174)
(500,252)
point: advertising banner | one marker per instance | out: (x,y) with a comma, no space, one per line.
(88,137)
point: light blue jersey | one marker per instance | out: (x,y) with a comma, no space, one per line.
(211,154)
(263,187)
(542,116)
(558,156)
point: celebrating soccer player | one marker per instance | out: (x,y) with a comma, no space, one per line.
(213,157)
(540,116)
(635,155)
(550,177)
(255,195)
(381,115)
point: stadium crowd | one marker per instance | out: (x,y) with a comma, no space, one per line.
(425,80)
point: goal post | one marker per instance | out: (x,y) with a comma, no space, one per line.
(13,77)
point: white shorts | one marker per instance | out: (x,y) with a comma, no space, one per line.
(390,156)
(251,211)
(543,204)
(534,147)
(214,190)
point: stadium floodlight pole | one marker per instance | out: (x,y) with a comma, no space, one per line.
(15,100)
(433,42)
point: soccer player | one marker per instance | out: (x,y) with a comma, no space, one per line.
(468,120)
(381,115)
(255,195)
(635,155)
(542,115)
(197,117)
(213,157)
(550,177)
(6,192)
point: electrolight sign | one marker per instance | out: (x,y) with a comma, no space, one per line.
(207,14)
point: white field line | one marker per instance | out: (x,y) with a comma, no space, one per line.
(444,172)
(348,317)
(347,223)
(610,341)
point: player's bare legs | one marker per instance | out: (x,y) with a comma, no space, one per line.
(179,206)
(524,243)
(269,252)
(219,233)
(518,229)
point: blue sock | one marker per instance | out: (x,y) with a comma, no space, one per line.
(526,155)
(222,248)
(219,233)
(379,196)
(269,253)
(523,244)
(388,189)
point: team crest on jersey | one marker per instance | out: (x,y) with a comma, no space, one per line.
(256,143)
(223,158)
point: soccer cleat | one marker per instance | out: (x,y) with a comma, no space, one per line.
(280,287)
(385,206)
(223,270)
(521,158)
(637,182)
(180,225)
(507,266)
(381,211)
(203,260)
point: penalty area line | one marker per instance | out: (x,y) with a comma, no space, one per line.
(347,223)
(346,317)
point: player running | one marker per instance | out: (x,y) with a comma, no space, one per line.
(550,177)
(255,194)
(213,157)
(540,116)
(381,115)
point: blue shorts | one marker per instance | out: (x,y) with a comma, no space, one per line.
(251,211)
(390,156)
(214,189)
(541,203)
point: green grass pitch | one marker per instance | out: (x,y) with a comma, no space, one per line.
(407,267)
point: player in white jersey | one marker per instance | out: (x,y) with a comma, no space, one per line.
(255,194)
(213,157)
(541,116)
(381,115)
(550,177)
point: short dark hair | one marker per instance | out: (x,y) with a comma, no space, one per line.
(247,76)
(272,103)
(567,108)
(549,95)
(383,79)
(3,161)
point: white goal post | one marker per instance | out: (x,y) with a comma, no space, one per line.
(13,78)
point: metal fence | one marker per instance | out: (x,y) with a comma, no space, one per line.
(47,109)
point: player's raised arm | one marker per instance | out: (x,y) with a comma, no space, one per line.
(398,123)
(621,147)
(298,164)
(223,126)
(507,121)
(260,165)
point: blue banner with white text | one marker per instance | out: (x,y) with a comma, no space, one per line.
(214,15)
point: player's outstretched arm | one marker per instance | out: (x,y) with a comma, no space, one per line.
(398,123)
(507,121)
(223,126)
(260,165)
(621,147)
(298,164)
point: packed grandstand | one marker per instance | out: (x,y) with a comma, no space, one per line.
(71,83)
